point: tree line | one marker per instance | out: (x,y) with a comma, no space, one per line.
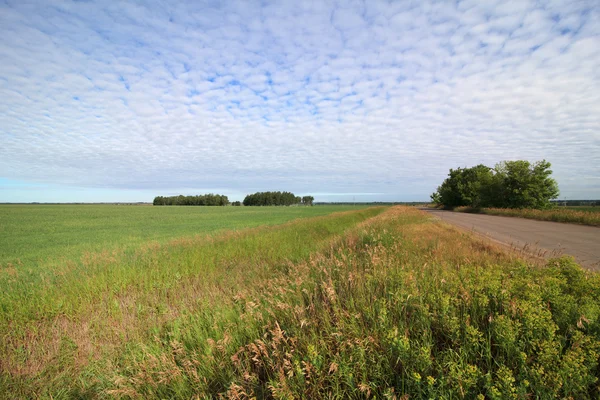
(200,200)
(256,199)
(510,184)
(276,199)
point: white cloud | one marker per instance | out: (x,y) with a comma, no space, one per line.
(372,97)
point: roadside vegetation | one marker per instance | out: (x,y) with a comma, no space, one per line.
(372,303)
(586,216)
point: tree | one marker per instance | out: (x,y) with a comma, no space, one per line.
(465,187)
(511,184)
(473,185)
(159,201)
(270,199)
(526,185)
(201,200)
(307,200)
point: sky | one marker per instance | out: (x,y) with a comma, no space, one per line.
(346,100)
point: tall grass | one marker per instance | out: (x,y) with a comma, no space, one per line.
(558,214)
(357,305)
(91,305)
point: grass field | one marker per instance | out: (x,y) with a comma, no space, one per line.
(34,234)
(370,303)
(574,215)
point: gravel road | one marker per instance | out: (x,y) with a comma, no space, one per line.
(539,237)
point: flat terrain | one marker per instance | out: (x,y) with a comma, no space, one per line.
(592,209)
(539,237)
(377,302)
(40,234)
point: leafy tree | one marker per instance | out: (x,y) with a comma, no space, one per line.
(474,185)
(202,200)
(159,201)
(308,200)
(465,187)
(271,199)
(526,185)
(511,184)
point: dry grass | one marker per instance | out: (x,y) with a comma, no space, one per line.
(557,214)
(87,309)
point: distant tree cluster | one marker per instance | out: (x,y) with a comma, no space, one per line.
(510,184)
(271,199)
(308,200)
(201,200)
(276,199)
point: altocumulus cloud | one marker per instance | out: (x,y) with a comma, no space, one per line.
(372,97)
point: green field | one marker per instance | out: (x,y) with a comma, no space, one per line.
(38,234)
(367,303)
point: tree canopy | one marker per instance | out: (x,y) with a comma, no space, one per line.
(200,200)
(308,200)
(510,184)
(274,199)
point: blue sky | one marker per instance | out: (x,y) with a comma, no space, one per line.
(365,100)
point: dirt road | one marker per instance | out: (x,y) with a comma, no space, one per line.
(539,237)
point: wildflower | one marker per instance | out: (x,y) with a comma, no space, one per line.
(416,376)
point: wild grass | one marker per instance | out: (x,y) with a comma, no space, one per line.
(595,209)
(365,304)
(94,303)
(587,216)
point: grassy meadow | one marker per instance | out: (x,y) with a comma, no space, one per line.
(575,215)
(381,302)
(39,234)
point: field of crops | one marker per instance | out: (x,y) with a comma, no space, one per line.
(39,234)
(376,302)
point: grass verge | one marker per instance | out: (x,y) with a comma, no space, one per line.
(554,214)
(357,305)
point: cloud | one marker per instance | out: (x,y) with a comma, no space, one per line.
(355,97)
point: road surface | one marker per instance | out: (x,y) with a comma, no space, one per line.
(540,237)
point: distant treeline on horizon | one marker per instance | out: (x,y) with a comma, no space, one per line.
(276,199)
(200,200)
(256,199)
(575,203)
